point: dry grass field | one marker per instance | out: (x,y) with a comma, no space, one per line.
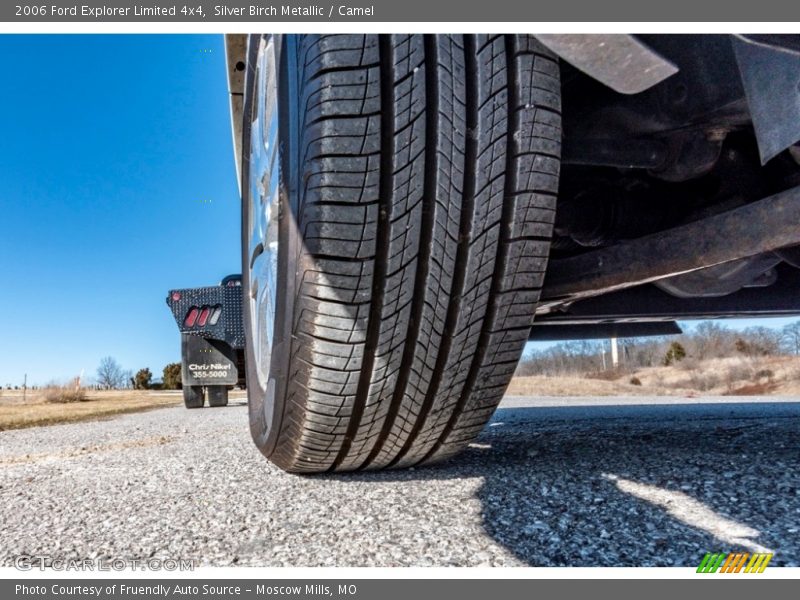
(776,376)
(760,376)
(37,410)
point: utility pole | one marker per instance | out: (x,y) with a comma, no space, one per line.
(614,353)
(24,387)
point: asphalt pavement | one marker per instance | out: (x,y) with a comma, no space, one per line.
(558,481)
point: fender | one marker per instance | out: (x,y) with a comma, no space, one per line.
(236,63)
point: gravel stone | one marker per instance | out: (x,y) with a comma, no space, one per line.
(546,484)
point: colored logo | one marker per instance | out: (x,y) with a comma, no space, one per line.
(735,562)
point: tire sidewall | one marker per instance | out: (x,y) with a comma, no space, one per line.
(266,404)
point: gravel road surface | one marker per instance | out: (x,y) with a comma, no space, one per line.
(560,481)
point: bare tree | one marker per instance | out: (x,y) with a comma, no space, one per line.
(109,374)
(710,340)
(791,337)
(763,340)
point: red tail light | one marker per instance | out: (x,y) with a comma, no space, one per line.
(191,317)
(201,321)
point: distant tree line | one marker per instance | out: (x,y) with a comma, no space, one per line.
(111,376)
(708,340)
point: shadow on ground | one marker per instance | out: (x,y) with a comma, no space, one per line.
(632,492)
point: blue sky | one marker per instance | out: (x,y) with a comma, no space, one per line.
(117,183)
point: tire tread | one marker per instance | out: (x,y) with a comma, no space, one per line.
(429,168)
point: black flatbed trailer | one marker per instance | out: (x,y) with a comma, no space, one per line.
(212,340)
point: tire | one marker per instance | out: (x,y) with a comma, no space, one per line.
(193,396)
(217,395)
(417,199)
